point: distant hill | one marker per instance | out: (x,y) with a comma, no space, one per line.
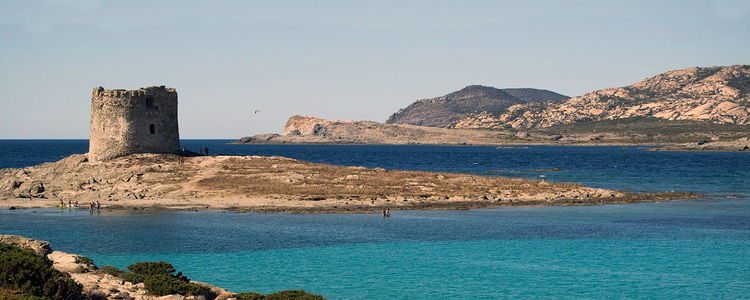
(718,95)
(445,110)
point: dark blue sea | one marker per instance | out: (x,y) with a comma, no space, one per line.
(667,250)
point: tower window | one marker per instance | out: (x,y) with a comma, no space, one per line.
(152,128)
(150,102)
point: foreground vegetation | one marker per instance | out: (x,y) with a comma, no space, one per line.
(26,275)
(160,279)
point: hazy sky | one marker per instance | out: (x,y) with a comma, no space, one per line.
(354,60)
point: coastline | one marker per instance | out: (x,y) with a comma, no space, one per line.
(278,184)
(359,209)
(724,146)
(307,130)
(103,283)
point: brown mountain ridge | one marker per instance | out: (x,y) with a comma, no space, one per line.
(717,94)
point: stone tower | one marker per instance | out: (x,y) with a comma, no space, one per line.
(138,121)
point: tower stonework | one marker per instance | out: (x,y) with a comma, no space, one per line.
(139,121)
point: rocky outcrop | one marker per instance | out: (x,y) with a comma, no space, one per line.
(304,125)
(445,110)
(741,144)
(304,129)
(715,94)
(41,248)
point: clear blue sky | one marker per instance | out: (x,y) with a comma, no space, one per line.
(356,60)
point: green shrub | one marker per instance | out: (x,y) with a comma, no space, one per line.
(80,259)
(161,285)
(250,296)
(127,276)
(26,274)
(112,270)
(149,268)
(293,295)
(133,277)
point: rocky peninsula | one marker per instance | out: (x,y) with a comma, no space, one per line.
(278,184)
(311,130)
(741,144)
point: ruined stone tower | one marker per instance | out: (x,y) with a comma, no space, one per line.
(138,121)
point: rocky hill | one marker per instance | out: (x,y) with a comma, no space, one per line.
(712,94)
(445,110)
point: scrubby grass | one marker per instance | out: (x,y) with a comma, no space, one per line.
(25,275)
(159,278)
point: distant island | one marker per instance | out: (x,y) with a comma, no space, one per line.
(706,107)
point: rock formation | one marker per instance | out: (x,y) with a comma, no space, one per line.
(41,248)
(443,111)
(714,94)
(304,129)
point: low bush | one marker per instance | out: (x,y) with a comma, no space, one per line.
(161,285)
(250,296)
(149,268)
(112,270)
(125,275)
(28,275)
(159,278)
(80,259)
(293,295)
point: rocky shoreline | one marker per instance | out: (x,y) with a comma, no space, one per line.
(738,145)
(312,130)
(278,184)
(98,284)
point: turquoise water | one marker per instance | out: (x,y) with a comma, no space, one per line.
(677,249)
